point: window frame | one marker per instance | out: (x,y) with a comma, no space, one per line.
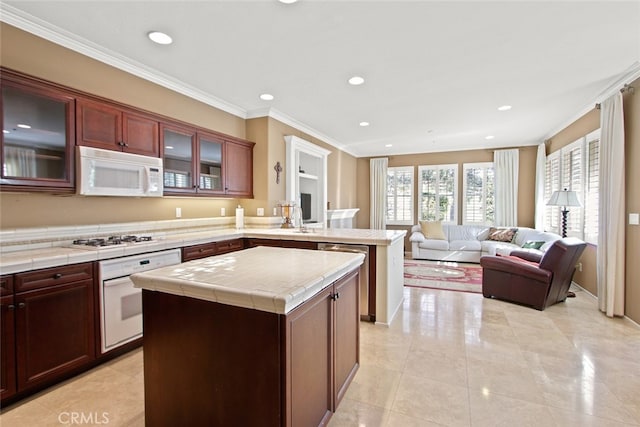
(577,224)
(455,197)
(484,166)
(395,220)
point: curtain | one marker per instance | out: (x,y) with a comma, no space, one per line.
(540,203)
(20,162)
(378,197)
(506,164)
(611,222)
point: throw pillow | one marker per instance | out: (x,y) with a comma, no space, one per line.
(502,234)
(432,230)
(531,244)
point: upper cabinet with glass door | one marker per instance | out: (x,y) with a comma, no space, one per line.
(197,162)
(37,136)
(178,152)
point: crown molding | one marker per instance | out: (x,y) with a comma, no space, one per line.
(627,77)
(57,35)
(290,121)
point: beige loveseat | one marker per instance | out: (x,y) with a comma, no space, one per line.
(467,243)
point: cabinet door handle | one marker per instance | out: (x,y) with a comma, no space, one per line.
(21,305)
(57,275)
(11,306)
(335,296)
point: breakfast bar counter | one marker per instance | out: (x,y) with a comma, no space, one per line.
(260,337)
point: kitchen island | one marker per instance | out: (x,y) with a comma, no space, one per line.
(265,336)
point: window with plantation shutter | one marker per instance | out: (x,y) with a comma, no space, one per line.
(551,184)
(591,202)
(572,180)
(575,167)
(438,193)
(400,195)
(478,189)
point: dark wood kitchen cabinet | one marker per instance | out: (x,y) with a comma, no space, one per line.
(7,339)
(323,333)
(48,327)
(276,369)
(204,163)
(204,250)
(298,244)
(38,135)
(239,169)
(107,126)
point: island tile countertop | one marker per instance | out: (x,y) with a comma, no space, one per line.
(51,247)
(263,278)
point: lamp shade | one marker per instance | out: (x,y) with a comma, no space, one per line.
(564,198)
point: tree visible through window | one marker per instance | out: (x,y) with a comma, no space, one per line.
(478,188)
(400,195)
(438,193)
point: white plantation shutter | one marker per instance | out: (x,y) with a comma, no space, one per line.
(575,167)
(400,195)
(438,193)
(572,180)
(591,198)
(551,184)
(478,190)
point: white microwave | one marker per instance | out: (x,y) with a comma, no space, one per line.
(113,173)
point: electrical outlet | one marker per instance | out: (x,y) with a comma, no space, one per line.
(223,211)
(260,212)
(178,212)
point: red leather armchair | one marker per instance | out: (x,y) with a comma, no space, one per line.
(533,280)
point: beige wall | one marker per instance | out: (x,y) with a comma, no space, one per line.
(527,173)
(582,126)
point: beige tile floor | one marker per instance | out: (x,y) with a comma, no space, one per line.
(448,359)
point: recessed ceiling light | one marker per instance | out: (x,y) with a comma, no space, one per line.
(388,145)
(5,131)
(504,108)
(160,37)
(168,147)
(266,97)
(363,124)
(356,80)
(489,137)
(287,1)
(23,126)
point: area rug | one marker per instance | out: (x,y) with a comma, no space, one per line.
(448,276)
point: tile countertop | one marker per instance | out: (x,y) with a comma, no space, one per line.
(55,254)
(253,278)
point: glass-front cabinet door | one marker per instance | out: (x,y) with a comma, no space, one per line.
(37,136)
(178,148)
(210,165)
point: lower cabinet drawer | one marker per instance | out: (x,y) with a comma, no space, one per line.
(53,276)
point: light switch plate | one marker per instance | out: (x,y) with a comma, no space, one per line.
(223,211)
(634,219)
(260,211)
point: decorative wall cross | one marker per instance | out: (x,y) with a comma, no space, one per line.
(278,169)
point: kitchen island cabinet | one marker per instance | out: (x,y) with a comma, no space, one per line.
(237,346)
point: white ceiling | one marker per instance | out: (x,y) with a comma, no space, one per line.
(435,71)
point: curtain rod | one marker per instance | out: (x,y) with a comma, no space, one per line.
(626,88)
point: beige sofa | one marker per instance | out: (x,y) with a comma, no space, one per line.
(467,243)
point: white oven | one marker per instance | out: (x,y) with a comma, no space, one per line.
(120,302)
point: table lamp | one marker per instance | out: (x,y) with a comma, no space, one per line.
(565,199)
